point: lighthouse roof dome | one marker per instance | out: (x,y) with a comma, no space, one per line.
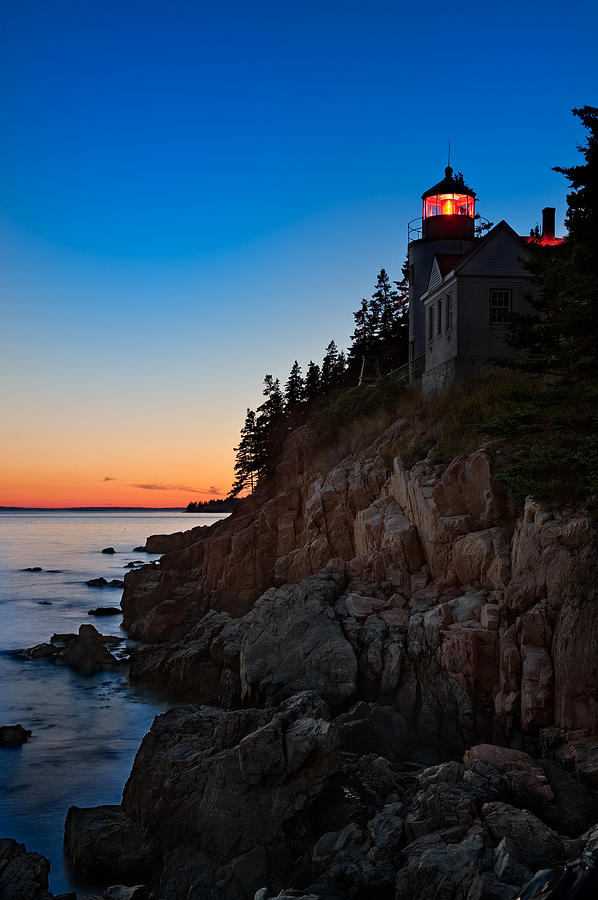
(449,185)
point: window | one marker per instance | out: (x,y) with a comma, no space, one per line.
(430,323)
(500,307)
(449,311)
(439,323)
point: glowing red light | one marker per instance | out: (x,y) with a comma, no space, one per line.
(449,205)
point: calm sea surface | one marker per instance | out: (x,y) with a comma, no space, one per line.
(86,730)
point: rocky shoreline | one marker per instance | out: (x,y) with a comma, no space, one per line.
(389,683)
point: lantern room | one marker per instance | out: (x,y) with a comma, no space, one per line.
(448,210)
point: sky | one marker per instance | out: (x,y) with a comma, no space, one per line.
(194,195)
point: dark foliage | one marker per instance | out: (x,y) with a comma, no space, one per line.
(211,506)
(382,326)
(562,335)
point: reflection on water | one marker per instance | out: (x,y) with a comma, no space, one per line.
(86,729)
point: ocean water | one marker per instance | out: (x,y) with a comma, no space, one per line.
(85,729)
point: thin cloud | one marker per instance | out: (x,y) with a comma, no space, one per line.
(210,491)
(107,478)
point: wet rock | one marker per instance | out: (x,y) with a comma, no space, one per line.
(103,841)
(240,774)
(108,550)
(105,611)
(23,875)
(133,564)
(41,651)
(13,735)
(103,582)
(208,789)
(86,651)
(32,569)
(44,602)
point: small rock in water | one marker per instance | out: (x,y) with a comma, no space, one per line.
(105,611)
(54,571)
(40,651)
(102,582)
(13,735)
(108,550)
(33,569)
(138,549)
(135,562)
(44,602)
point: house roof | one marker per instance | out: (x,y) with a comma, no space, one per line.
(497,257)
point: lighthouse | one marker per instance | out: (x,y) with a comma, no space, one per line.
(445,232)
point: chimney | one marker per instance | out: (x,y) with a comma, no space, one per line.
(548,214)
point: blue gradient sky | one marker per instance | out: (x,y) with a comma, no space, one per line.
(193,195)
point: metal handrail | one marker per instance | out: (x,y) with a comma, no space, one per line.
(415,227)
(411,371)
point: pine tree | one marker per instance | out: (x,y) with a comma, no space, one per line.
(331,367)
(246,465)
(270,430)
(382,325)
(294,389)
(312,381)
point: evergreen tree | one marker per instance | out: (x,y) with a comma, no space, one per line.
(246,464)
(270,429)
(382,325)
(333,367)
(564,331)
(312,381)
(294,389)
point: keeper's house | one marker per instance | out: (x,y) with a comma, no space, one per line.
(463,288)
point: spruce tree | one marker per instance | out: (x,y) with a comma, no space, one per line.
(246,464)
(294,389)
(312,381)
(330,367)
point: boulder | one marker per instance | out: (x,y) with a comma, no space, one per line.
(23,875)
(103,841)
(103,582)
(443,864)
(295,643)
(86,652)
(240,775)
(108,550)
(13,735)
(533,843)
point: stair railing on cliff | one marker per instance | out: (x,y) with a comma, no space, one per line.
(411,371)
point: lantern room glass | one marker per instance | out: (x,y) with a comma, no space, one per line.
(449,205)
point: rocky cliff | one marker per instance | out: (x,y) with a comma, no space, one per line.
(354,619)
(475,615)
